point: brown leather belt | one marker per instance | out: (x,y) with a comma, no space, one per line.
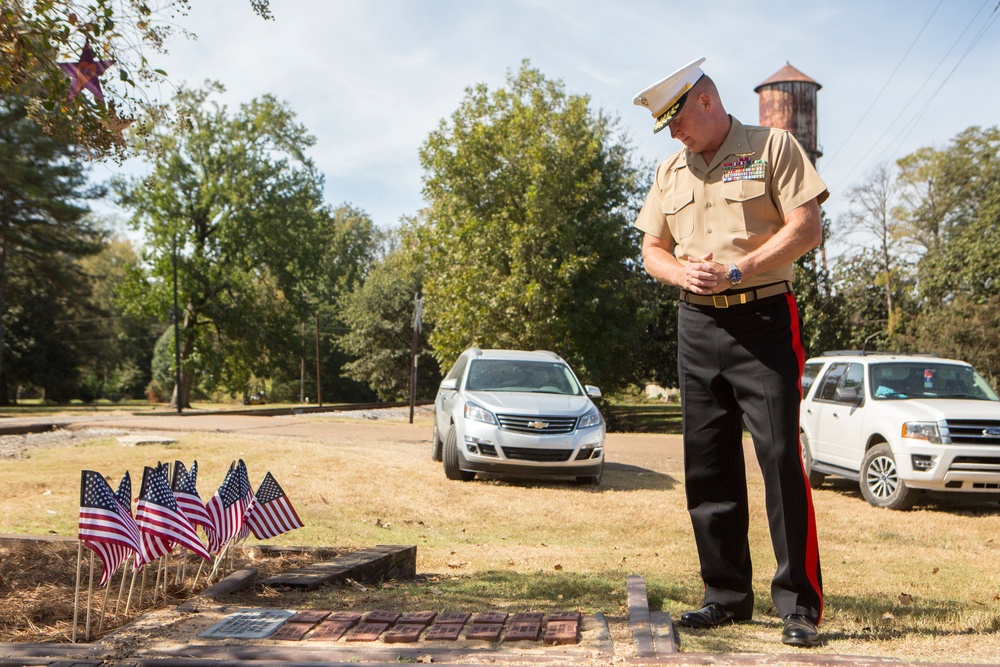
(735,299)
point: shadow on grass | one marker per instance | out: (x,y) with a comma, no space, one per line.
(643,418)
(963,504)
(617,477)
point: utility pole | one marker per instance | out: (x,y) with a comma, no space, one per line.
(418,307)
(177,335)
(319,386)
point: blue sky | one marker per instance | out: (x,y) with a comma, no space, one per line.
(371,79)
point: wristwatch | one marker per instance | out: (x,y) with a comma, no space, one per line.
(735,275)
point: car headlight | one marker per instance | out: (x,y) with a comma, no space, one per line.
(922,431)
(590,418)
(479,414)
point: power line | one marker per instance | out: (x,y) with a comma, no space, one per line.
(913,124)
(884,86)
(909,103)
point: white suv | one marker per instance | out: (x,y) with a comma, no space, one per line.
(900,425)
(508,411)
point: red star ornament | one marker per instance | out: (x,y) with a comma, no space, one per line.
(83,74)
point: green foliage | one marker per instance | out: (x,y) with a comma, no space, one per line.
(37,35)
(529,239)
(952,209)
(45,317)
(242,203)
(379,320)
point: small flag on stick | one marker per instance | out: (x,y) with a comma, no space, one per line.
(185,491)
(228,506)
(272,514)
(160,521)
(105,526)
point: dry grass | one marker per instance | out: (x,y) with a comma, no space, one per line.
(921,585)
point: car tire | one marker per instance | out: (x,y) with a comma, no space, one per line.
(436,445)
(880,482)
(592,480)
(816,479)
(451,459)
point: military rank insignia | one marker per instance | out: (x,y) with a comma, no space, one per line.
(743,169)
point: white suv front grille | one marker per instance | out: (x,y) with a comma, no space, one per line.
(973,431)
(537,425)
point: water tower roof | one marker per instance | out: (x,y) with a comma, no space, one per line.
(787,74)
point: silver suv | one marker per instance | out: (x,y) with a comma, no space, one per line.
(900,425)
(508,411)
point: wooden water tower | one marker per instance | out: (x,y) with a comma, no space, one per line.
(788,101)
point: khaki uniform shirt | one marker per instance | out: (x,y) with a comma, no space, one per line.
(735,204)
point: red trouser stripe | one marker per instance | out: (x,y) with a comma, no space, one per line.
(812,540)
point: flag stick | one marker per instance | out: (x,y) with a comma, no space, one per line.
(90,593)
(121,587)
(76,598)
(156,584)
(142,589)
(104,607)
(128,601)
(194,586)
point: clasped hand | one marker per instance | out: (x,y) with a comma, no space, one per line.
(702,275)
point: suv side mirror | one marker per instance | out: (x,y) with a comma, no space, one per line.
(450,384)
(848,395)
(592,391)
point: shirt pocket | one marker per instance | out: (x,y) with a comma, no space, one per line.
(678,211)
(742,197)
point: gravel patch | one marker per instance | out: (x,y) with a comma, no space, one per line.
(18,446)
(394,414)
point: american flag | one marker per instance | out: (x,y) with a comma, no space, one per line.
(228,506)
(186,494)
(105,526)
(160,521)
(273,513)
(124,492)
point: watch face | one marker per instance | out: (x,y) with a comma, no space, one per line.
(734,275)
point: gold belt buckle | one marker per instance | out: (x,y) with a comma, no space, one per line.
(720,301)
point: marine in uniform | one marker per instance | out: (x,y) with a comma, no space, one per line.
(724,220)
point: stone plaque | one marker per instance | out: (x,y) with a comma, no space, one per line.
(403,633)
(331,631)
(487,631)
(523,632)
(448,632)
(249,624)
(491,617)
(448,617)
(309,616)
(417,618)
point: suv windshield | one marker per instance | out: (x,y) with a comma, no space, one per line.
(522,376)
(912,379)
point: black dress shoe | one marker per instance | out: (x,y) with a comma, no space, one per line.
(799,631)
(710,616)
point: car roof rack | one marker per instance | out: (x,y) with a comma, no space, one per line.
(867,353)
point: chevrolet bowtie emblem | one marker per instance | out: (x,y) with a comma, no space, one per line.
(538,425)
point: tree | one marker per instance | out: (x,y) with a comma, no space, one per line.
(117,358)
(350,243)
(235,200)
(379,319)
(952,210)
(871,212)
(529,239)
(43,230)
(35,36)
